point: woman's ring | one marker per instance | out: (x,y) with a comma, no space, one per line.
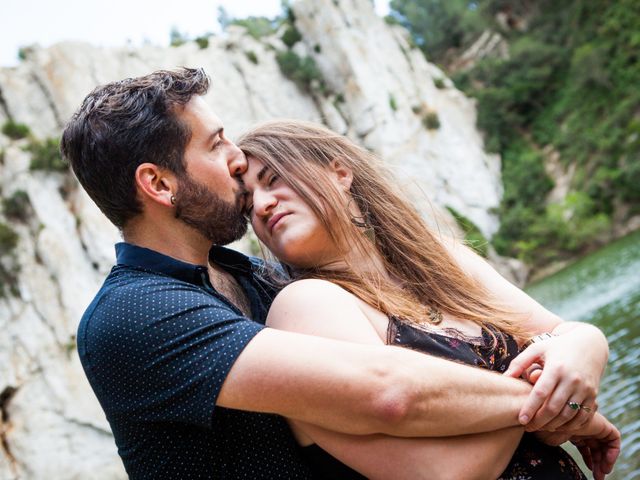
(578,406)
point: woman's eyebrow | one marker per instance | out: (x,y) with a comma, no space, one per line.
(262,173)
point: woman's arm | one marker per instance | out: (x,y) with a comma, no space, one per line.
(321,308)
(481,456)
(567,374)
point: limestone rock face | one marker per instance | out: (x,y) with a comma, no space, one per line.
(390,93)
(51,424)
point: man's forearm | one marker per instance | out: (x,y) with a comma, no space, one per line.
(445,398)
(364,389)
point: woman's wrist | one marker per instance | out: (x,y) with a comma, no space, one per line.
(591,334)
(541,337)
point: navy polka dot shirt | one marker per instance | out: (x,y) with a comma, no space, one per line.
(156,344)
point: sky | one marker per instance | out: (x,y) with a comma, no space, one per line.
(118,22)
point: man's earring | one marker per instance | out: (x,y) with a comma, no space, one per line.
(173,200)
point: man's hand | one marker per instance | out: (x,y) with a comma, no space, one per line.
(600,454)
(598,442)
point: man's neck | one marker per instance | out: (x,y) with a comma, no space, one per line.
(169,238)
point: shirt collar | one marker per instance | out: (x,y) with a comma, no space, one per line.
(147,259)
(140,257)
(231,260)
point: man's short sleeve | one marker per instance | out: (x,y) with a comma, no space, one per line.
(161,351)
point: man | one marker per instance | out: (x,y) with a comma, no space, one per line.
(190,385)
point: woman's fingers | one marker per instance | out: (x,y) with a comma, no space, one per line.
(570,410)
(524,360)
(533,373)
(552,398)
(584,415)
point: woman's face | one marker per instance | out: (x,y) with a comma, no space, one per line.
(283,221)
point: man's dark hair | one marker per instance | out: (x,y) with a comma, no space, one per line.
(124,124)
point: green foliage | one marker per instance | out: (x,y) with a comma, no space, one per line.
(392,102)
(8,266)
(252,57)
(337,100)
(71,345)
(25,51)
(291,36)
(438,25)
(45,155)
(177,38)
(17,206)
(257,27)
(439,83)
(8,240)
(526,186)
(472,234)
(430,121)
(302,70)
(203,42)
(571,81)
(514,90)
(391,20)
(317,48)
(15,130)
(563,230)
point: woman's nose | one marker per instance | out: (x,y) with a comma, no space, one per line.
(263,203)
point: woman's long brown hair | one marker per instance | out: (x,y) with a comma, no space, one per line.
(425,273)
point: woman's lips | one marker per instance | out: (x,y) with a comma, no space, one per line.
(275,219)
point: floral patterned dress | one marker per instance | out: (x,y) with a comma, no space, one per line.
(532,458)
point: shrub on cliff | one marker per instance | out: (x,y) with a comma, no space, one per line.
(45,155)
(17,206)
(15,130)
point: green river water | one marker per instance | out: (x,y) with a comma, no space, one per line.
(603,288)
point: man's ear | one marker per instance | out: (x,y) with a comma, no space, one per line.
(343,174)
(155,184)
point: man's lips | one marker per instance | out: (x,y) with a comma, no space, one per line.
(275,219)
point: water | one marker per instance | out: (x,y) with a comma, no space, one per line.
(604,289)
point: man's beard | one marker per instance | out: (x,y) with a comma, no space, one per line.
(219,221)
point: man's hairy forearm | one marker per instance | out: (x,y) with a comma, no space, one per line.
(446,398)
(364,389)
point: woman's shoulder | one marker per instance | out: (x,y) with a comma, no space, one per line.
(320,307)
(312,287)
(313,293)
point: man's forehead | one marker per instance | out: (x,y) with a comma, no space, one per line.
(198,109)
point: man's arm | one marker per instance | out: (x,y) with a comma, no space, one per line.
(365,389)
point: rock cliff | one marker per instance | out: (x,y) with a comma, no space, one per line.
(377,89)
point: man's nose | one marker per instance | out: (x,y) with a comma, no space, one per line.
(237,162)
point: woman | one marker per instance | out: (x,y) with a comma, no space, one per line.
(362,256)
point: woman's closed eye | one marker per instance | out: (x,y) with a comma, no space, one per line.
(274,177)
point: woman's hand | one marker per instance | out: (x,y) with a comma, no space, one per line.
(598,442)
(569,368)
